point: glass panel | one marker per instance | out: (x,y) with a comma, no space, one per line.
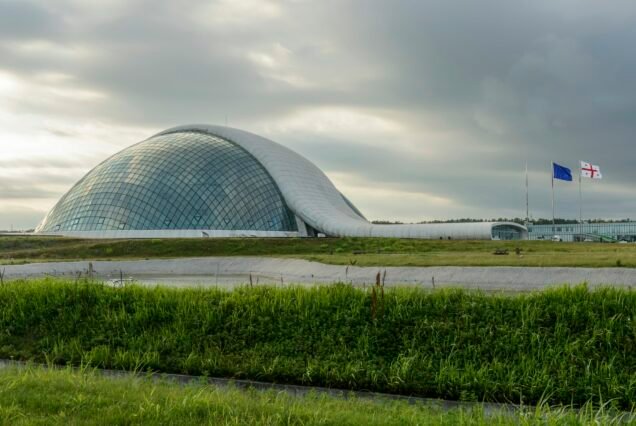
(506,232)
(181,180)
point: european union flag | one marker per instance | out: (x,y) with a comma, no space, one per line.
(560,172)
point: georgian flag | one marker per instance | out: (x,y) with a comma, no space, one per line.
(590,171)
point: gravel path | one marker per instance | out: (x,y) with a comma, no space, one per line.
(231,271)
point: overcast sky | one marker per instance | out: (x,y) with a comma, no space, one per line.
(417,110)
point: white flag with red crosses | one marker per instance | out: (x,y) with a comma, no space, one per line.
(590,171)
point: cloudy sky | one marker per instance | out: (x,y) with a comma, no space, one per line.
(416,110)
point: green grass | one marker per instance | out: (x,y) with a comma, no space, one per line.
(65,397)
(569,345)
(343,251)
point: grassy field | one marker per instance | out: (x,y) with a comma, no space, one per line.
(344,251)
(562,346)
(66,397)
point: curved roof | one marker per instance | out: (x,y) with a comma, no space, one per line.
(188,180)
(312,196)
(200,180)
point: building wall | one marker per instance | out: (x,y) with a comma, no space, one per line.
(606,232)
(173,233)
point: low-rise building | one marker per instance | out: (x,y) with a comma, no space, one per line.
(598,232)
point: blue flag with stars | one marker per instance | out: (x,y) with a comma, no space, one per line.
(561,172)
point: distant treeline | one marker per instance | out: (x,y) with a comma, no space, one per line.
(18,231)
(521,221)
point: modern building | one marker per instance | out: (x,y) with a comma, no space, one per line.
(599,232)
(212,181)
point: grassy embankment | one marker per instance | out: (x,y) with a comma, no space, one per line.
(343,251)
(562,346)
(62,397)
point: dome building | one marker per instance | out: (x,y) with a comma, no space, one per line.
(213,181)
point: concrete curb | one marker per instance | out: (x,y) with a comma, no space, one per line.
(292,390)
(489,408)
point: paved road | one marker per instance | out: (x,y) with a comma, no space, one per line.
(231,271)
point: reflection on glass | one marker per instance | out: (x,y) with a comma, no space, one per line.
(182,180)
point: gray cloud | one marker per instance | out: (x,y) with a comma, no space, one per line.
(19,218)
(484,86)
(39,186)
(41,163)
(24,20)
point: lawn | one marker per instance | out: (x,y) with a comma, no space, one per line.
(35,396)
(342,251)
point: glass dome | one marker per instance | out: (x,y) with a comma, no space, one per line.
(175,181)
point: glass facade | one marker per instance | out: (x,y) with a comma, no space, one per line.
(604,232)
(181,180)
(506,232)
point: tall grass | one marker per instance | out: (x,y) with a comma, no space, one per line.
(570,345)
(51,397)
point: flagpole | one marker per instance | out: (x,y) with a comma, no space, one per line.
(527,197)
(552,165)
(580,200)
